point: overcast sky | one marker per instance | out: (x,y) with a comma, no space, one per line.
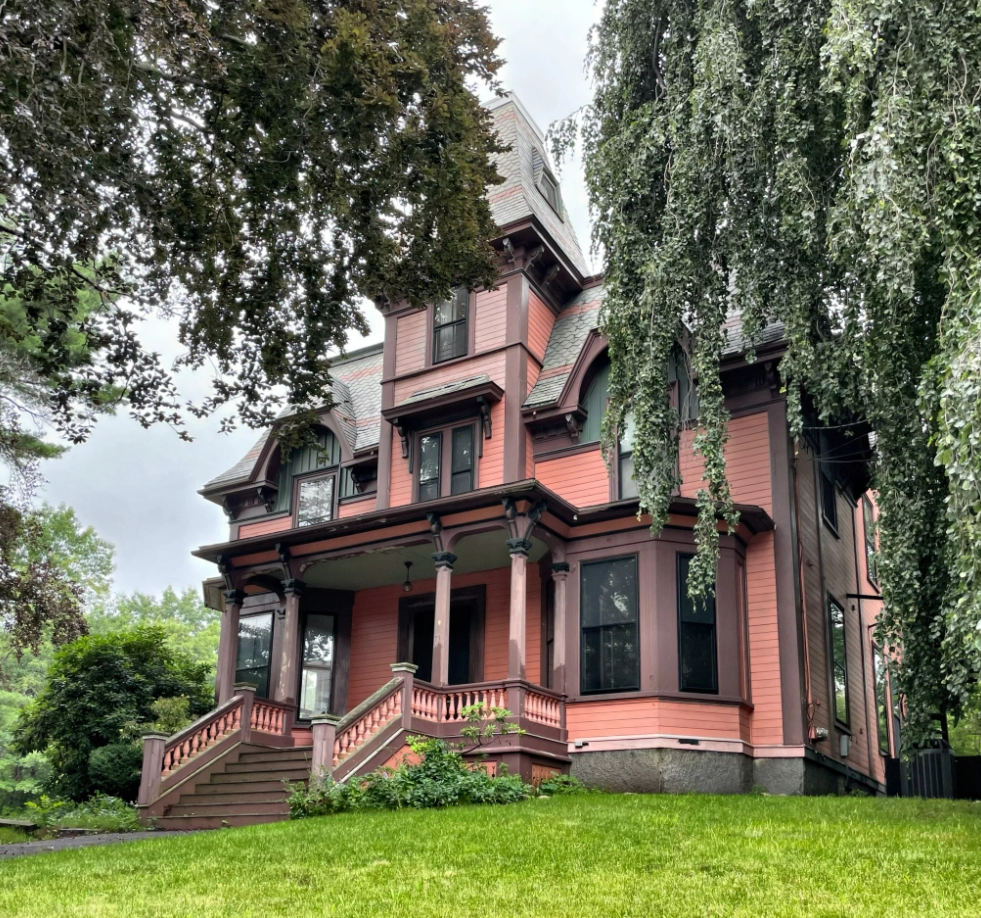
(138,488)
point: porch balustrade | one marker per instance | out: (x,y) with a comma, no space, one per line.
(447,705)
(352,737)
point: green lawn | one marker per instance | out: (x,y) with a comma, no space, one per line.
(575,856)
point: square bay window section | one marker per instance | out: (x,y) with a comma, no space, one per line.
(430,447)
(610,633)
(461,462)
(450,326)
(697,655)
(254,651)
(316,676)
(315,501)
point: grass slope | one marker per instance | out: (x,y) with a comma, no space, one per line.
(596,855)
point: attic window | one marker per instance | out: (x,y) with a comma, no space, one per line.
(550,189)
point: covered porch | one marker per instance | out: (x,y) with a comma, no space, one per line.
(464,611)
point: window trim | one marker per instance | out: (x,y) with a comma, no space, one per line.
(466,321)
(823,477)
(332,472)
(272,644)
(591,693)
(445,483)
(305,618)
(881,679)
(679,556)
(846,723)
(557,205)
(872,578)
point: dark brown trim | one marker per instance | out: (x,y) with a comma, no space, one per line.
(416,412)
(575,450)
(789,604)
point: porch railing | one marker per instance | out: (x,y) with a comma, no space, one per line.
(524,700)
(241,719)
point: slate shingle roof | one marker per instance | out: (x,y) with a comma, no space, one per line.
(447,389)
(569,334)
(518,197)
(357,403)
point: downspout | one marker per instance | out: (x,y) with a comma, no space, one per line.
(809,710)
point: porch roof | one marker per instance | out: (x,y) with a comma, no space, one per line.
(571,518)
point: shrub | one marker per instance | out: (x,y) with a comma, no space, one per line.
(441,778)
(114,770)
(100,813)
(96,688)
(561,785)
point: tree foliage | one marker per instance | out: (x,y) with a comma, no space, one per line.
(96,688)
(254,167)
(816,163)
(191,627)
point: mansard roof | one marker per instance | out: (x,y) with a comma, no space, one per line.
(519,197)
(357,411)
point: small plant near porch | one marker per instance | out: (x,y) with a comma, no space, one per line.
(441,776)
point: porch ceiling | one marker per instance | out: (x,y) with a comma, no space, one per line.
(385,566)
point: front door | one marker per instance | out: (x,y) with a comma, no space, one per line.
(417,618)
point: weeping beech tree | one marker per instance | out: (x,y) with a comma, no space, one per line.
(816,163)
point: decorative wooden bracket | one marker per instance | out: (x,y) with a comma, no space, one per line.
(268,497)
(403,433)
(485,416)
(573,425)
(509,249)
(436,528)
(550,275)
(283,550)
(229,508)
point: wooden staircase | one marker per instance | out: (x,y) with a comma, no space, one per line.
(230,767)
(246,791)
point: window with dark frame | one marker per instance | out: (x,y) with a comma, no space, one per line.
(881,699)
(461,461)
(317,669)
(698,669)
(625,469)
(550,190)
(430,462)
(254,650)
(315,500)
(450,326)
(829,502)
(871,549)
(839,665)
(610,634)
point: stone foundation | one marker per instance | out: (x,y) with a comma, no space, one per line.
(682,771)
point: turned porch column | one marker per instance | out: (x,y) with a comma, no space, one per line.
(560,574)
(289,651)
(441,625)
(228,644)
(518,629)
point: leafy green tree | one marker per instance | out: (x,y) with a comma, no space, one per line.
(816,163)
(190,626)
(253,168)
(96,687)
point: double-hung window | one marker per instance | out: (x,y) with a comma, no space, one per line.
(871,549)
(829,502)
(610,638)
(839,665)
(625,470)
(254,651)
(315,500)
(450,326)
(446,462)
(697,654)
(881,699)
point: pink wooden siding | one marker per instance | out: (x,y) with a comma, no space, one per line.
(355,508)
(490,322)
(374,631)
(265,527)
(764,641)
(540,322)
(646,716)
(490,466)
(747,461)
(491,365)
(401,493)
(410,342)
(582,478)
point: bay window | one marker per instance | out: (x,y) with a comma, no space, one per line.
(610,634)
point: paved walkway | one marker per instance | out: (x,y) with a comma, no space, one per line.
(20,849)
